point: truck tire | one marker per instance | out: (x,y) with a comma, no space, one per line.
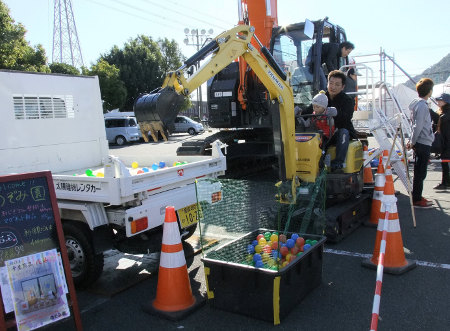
(191,131)
(120,140)
(85,265)
(187,233)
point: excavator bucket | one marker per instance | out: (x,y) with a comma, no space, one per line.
(161,107)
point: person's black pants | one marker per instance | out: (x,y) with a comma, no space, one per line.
(445,173)
(420,169)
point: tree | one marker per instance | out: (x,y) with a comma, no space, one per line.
(15,51)
(113,91)
(63,68)
(171,55)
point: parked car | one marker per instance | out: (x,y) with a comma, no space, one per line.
(121,130)
(185,124)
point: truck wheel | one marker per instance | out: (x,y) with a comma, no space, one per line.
(187,233)
(86,266)
(191,131)
(120,140)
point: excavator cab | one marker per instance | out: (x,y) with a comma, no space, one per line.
(300,54)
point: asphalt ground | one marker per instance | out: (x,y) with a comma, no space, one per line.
(416,300)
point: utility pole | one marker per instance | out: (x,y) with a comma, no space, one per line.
(197,38)
(66,45)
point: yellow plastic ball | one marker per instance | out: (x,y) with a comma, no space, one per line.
(265,257)
(100,174)
(274,237)
(258,248)
(262,242)
(134,165)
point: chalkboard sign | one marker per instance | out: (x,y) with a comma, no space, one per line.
(30,223)
(27,221)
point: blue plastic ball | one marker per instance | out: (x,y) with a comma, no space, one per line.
(259,264)
(276,254)
(145,169)
(306,247)
(374,163)
(290,243)
(155,166)
(257,257)
(255,242)
(162,164)
(250,249)
(294,236)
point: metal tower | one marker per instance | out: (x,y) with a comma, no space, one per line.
(66,46)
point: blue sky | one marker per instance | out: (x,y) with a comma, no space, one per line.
(415,32)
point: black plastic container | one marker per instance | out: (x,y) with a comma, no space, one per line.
(262,293)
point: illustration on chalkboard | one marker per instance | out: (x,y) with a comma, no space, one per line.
(7,239)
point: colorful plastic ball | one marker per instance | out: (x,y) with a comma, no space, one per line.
(145,169)
(89,172)
(250,249)
(100,174)
(140,171)
(308,241)
(288,257)
(267,235)
(306,247)
(259,236)
(285,263)
(313,242)
(267,249)
(134,165)
(162,164)
(155,166)
(300,242)
(290,243)
(265,257)
(282,238)
(184,162)
(295,250)
(262,242)
(270,263)
(258,249)
(294,236)
(249,258)
(259,264)
(274,237)
(284,251)
(257,257)
(255,242)
(274,245)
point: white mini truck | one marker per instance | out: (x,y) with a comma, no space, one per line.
(55,122)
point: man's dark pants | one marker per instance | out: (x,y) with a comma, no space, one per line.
(420,169)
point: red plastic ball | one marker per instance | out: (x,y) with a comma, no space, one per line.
(284,250)
(300,242)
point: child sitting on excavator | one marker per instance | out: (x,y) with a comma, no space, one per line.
(324,123)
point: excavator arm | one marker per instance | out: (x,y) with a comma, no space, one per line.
(224,49)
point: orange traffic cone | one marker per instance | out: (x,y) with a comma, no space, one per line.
(368,176)
(174,299)
(385,157)
(394,259)
(375,212)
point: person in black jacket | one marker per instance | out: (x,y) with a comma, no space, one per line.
(343,120)
(330,56)
(444,128)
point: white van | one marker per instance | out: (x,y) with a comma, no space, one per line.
(122,129)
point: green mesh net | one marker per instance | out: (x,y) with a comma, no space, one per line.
(237,214)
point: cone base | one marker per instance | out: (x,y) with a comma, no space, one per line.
(175,315)
(390,270)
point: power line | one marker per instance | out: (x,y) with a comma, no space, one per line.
(183,14)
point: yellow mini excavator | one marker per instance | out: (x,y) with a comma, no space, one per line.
(299,154)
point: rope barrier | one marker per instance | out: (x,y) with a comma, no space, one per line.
(380,268)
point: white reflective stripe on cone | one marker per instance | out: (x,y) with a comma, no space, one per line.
(171,234)
(172,260)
